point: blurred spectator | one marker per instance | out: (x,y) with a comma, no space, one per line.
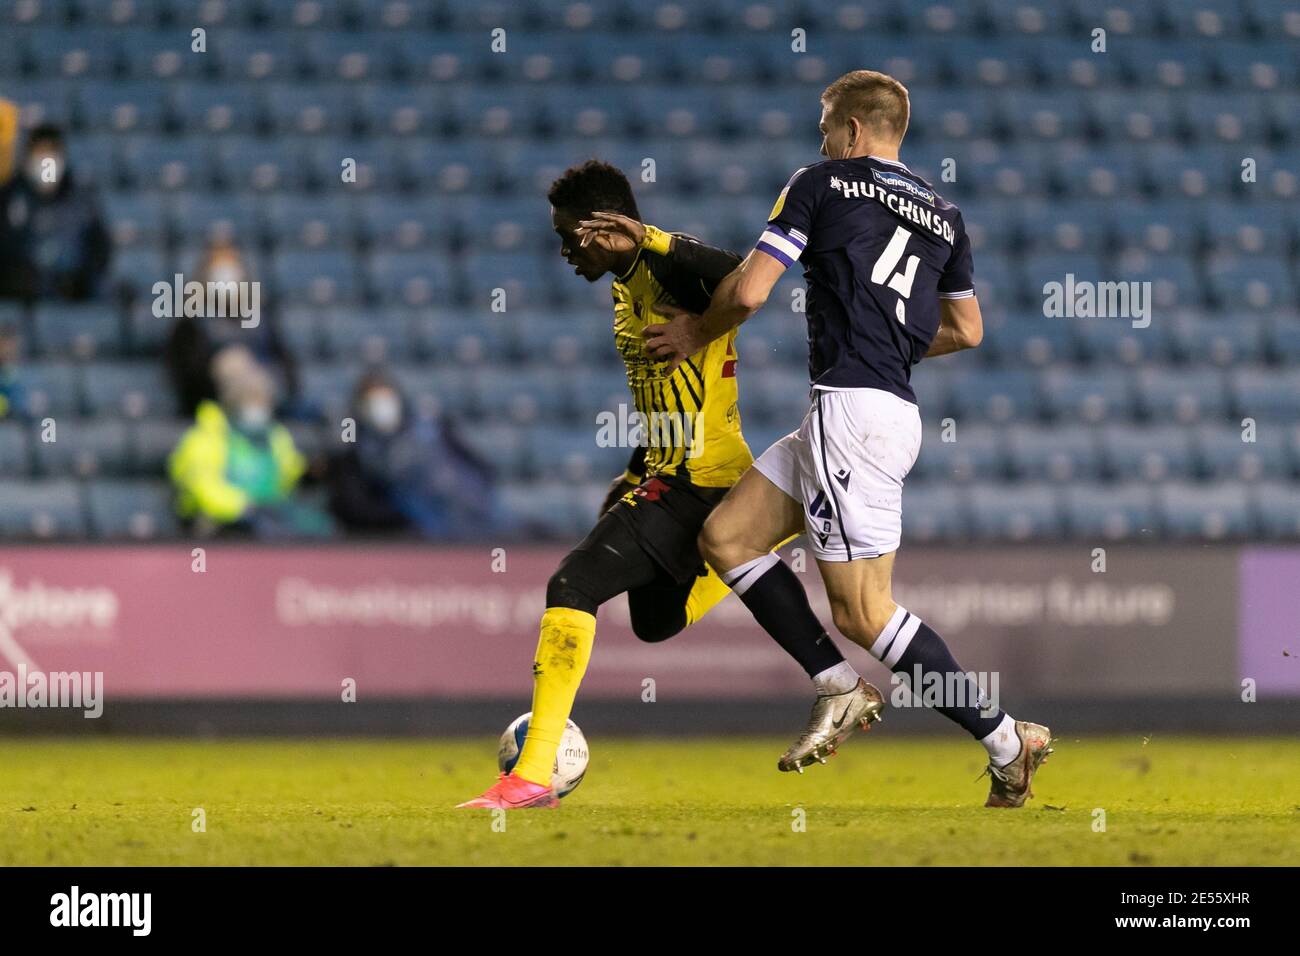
(53,242)
(409,473)
(13,396)
(236,469)
(195,341)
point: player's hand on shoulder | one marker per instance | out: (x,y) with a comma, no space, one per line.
(612,231)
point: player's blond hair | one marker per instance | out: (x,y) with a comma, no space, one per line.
(876,100)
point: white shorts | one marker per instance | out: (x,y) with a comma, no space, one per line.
(846,465)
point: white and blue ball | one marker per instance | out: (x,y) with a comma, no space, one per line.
(570,759)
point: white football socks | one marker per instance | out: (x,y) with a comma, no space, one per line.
(839,679)
(1003,744)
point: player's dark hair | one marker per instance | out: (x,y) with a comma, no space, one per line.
(591,187)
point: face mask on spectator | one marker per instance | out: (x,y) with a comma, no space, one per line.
(253,418)
(45,181)
(383,410)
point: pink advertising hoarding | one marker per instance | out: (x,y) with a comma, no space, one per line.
(159,621)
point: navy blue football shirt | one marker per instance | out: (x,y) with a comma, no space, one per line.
(879,248)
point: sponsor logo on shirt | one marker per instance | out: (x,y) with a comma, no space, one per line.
(909,186)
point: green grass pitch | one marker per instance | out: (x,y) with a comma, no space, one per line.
(1167,802)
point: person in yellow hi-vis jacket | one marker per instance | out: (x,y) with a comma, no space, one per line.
(236,470)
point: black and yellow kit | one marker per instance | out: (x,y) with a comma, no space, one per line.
(645,545)
(693,449)
(690,417)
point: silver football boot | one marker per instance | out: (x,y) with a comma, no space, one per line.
(1009,786)
(834,718)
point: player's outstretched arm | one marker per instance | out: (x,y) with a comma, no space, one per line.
(737,297)
(960,326)
(706,262)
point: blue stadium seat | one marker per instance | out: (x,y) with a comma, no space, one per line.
(1272,395)
(574,454)
(976,453)
(121,107)
(1284,339)
(1247,228)
(507,448)
(15,454)
(254,54)
(1111,342)
(529,279)
(1256,283)
(1058,453)
(310,222)
(1015,512)
(1277,508)
(131,509)
(203,216)
(373,336)
(592,392)
(778,396)
(136,219)
(246,162)
(223,109)
(329,385)
(140,268)
(44,101)
(158,162)
(407,223)
(41,510)
(1032,340)
(1148,454)
(311,110)
(69,52)
(452,391)
(995,395)
(1091,395)
(52,387)
(156,54)
(1205,511)
(550,509)
(1180,394)
(933,512)
(321,276)
(1158,227)
(1225,454)
(1201,341)
(1111,511)
(152,442)
(133,389)
(411,278)
(64,330)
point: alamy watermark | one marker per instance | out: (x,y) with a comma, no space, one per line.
(194,299)
(631,428)
(1084,299)
(74,690)
(950,689)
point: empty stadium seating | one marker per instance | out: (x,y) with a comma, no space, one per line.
(1123,166)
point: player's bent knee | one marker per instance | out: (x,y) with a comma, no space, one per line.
(857,623)
(571,586)
(656,632)
(719,545)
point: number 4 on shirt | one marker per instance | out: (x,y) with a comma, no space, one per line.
(901,282)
